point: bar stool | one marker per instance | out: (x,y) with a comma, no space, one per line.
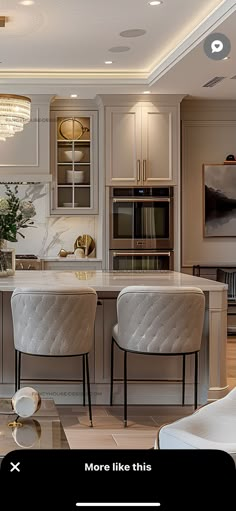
(156,320)
(54,323)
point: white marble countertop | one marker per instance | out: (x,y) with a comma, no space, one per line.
(104,280)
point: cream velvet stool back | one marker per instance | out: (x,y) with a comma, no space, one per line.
(158,321)
(54,323)
(211,427)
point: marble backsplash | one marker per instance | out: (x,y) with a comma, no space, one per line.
(49,233)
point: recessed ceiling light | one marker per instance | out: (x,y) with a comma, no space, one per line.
(26,3)
(133,32)
(108,62)
(119,49)
(74,95)
(155,2)
(146,92)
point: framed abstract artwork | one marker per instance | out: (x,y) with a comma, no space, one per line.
(219,200)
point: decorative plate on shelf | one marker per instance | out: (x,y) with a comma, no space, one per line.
(72,129)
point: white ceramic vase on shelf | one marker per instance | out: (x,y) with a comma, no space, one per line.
(7,259)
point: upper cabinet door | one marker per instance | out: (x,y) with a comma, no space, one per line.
(74,162)
(142,145)
(159,144)
(123,146)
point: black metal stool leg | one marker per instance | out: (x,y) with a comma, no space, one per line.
(83,359)
(89,395)
(195,380)
(112,362)
(125,389)
(183,380)
(18,369)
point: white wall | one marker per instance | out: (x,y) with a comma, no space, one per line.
(208,136)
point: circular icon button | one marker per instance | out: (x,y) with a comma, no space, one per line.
(217,46)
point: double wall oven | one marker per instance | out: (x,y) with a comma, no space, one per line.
(141,228)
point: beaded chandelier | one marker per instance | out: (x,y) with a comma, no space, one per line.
(14,113)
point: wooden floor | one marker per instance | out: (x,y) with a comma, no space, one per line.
(108,431)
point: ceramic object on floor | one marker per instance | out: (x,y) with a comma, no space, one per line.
(26,402)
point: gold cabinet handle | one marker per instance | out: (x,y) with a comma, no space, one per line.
(138,161)
(140,253)
(144,169)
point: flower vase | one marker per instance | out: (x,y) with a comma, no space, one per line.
(7,259)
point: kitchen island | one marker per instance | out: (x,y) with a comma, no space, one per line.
(212,371)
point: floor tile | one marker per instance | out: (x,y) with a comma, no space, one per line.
(143,421)
(90,440)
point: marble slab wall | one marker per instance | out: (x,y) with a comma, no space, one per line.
(49,233)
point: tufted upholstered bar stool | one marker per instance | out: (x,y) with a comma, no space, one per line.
(54,323)
(155,320)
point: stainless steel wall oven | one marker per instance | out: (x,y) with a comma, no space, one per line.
(141,228)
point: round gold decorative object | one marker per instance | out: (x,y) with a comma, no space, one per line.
(72,129)
(64,253)
(86,242)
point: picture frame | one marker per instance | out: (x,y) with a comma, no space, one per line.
(219,200)
(7,262)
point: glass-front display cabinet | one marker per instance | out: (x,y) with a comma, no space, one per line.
(74,163)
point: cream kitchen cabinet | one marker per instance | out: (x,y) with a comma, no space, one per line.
(74,157)
(141,145)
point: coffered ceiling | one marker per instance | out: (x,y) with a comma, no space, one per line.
(62,46)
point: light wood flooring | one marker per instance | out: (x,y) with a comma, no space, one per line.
(108,431)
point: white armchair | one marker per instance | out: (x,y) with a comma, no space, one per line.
(211,427)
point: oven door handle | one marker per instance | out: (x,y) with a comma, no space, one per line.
(131,199)
(140,252)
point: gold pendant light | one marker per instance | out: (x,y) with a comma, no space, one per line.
(14,113)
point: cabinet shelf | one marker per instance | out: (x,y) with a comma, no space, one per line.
(73,185)
(73,163)
(74,141)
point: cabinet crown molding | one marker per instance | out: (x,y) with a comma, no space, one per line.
(141,99)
